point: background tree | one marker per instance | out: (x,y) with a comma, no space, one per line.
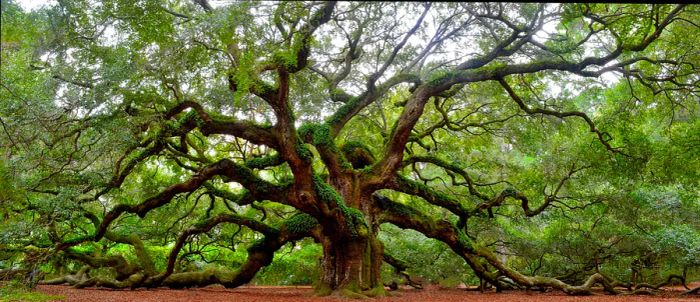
(144,139)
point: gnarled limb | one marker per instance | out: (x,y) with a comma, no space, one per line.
(70,279)
(663,283)
(432,196)
(260,254)
(203,228)
(122,268)
(405,217)
(213,125)
(236,172)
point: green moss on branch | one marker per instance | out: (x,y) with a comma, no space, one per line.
(300,223)
(354,218)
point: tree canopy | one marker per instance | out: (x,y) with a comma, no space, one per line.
(179,143)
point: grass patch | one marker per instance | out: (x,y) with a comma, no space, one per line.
(8,294)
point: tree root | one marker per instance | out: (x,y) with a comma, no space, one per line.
(694,291)
(350,293)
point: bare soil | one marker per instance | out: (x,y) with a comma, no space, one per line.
(296,294)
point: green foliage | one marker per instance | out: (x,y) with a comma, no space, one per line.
(293,265)
(429,259)
(86,88)
(320,134)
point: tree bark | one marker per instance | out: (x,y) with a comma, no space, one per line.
(352,259)
(351,268)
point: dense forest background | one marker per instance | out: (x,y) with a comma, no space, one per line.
(350,145)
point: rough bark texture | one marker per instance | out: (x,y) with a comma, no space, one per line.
(352,254)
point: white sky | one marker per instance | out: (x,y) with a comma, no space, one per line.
(30,5)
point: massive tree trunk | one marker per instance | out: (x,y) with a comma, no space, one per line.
(352,254)
(351,267)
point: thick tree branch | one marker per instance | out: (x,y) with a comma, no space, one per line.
(258,187)
(204,227)
(406,217)
(208,125)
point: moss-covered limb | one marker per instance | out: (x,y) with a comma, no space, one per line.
(58,280)
(247,130)
(391,158)
(142,255)
(408,186)
(196,279)
(399,265)
(182,106)
(70,279)
(122,268)
(300,223)
(405,216)
(265,161)
(162,198)
(82,280)
(358,154)
(260,254)
(129,282)
(320,136)
(243,198)
(666,282)
(145,261)
(452,167)
(350,220)
(216,125)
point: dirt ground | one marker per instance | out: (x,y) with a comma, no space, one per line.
(296,294)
